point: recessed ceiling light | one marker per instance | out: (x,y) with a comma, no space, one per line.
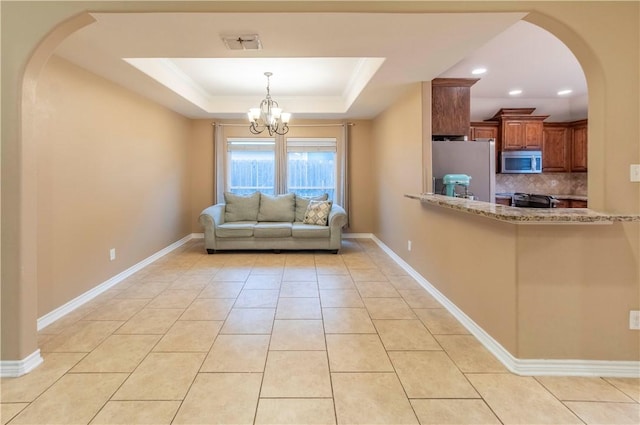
(479,71)
(515,92)
(563,92)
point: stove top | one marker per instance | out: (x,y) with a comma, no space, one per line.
(532,200)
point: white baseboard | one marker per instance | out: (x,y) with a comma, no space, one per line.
(357,236)
(67,308)
(15,368)
(525,367)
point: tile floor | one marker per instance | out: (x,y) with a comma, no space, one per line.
(294,338)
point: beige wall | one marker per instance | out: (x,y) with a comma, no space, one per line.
(360,170)
(113,172)
(361,178)
(201,165)
(561,292)
(469,259)
(398,166)
(576,285)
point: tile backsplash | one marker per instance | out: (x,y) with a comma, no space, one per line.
(544,183)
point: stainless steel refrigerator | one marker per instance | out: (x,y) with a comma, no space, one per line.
(476,159)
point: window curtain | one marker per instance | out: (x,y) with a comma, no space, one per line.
(342,190)
(343,170)
(220,150)
(281,165)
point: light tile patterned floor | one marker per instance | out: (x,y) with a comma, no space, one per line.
(291,338)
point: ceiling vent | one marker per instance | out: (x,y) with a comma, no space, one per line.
(242,42)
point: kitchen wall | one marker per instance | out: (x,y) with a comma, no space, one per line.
(559,110)
(113,172)
(470,259)
(543,183)
(397,162)
(542,292)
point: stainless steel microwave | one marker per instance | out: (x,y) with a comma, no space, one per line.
(526,162)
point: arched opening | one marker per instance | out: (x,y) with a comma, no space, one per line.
(19,333)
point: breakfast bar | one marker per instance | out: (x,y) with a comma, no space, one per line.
(523,215)
(541,287)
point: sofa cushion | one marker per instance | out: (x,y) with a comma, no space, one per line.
(236,229)
(241,208)
(272,230)
(302,204)
(277,208)
(301,230)
(317,213)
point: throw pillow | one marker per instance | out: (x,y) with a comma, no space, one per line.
(317,213)
(277,208)
(241,208)
(302,204)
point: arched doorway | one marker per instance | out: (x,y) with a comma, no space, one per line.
(19,333)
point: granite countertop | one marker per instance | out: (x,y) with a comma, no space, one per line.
(517,215)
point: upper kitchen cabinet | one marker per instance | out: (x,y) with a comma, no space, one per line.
(484,130)
(579,145)
(451,106)
(555,147)
(564,146)
(519,130)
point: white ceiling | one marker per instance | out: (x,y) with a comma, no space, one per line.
(325,65)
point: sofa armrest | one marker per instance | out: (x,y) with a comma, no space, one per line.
(337,217)
(213,215)
(209,219)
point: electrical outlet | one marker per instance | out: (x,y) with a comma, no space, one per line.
(112,254)
(408,245)
(634,172)
(634,319)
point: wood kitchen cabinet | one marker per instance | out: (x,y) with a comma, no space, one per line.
(519,130)
(571,203)
(564,146)
(579,145)
(451,106)
(555,148)
(518,134)
(484,130)
(503,200)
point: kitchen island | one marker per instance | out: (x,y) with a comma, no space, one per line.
(518,215)
(547,290)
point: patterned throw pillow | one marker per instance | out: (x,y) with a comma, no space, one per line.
(317,213)
(302,203)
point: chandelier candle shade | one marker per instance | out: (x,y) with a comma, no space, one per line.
(268,116)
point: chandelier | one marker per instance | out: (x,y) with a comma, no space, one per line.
(268,116)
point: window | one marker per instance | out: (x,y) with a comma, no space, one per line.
(311,167)
(308,161)
(251,166)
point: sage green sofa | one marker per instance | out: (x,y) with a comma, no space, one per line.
(264,222)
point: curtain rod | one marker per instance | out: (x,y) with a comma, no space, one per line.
(350,124)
